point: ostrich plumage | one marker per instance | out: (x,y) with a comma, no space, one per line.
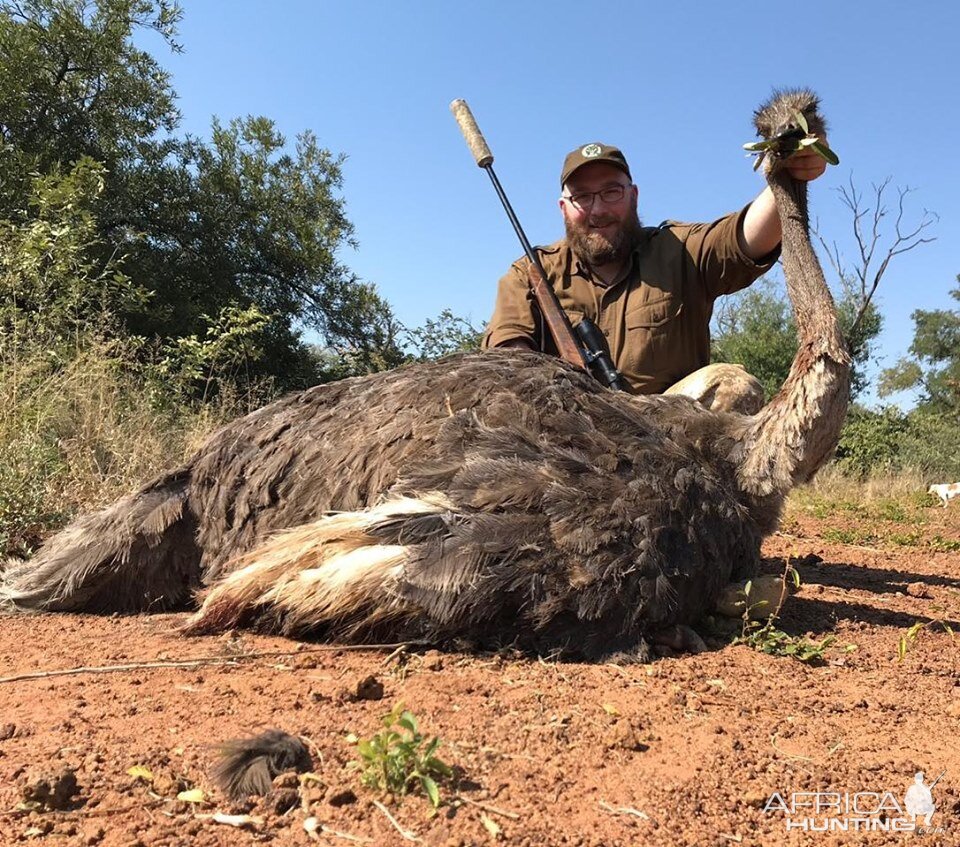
(500,497)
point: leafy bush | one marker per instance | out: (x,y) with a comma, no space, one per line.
(877,442)
(871,440)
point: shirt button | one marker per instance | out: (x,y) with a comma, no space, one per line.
(606,332)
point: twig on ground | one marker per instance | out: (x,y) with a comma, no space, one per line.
(312,826)
(488,808)
(359,839)
(797,756)
(399,651)
(624,810)
(404,833)
(197,662)
(90,813)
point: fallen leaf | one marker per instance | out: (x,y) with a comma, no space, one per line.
(490,825)
(194,795)
(140,772)
(610,709)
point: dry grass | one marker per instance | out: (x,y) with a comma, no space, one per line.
(830,483)
(76,435)
(886,509)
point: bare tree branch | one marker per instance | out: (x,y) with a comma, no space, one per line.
(868,233)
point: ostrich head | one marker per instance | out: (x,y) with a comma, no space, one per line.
(789,121)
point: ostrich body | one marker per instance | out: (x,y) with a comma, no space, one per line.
(501,497)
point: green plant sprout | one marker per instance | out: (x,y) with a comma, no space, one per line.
(399,758)
(909,638)
(767,638)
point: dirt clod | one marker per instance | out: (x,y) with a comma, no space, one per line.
(53,793)
(369,688)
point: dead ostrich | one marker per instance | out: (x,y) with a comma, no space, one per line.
(499,497)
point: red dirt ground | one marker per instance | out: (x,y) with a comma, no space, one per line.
(686,751)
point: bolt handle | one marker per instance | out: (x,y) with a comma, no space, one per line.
(471,132)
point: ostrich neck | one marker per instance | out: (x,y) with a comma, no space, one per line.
(797,431)
(812,302)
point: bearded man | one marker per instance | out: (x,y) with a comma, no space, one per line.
(650,290)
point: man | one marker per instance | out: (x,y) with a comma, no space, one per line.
(650,290)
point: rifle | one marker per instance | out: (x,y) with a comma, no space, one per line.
(585,349)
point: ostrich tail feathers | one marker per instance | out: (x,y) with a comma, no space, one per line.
(247,766)
(335,574)
(138,554)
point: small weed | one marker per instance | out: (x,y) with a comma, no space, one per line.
(906,539)
(890,510)
(767,638)
(400,758)
(909,638)
(944,545)
(775,642)
(848,536)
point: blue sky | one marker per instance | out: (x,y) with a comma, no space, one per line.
(674,85)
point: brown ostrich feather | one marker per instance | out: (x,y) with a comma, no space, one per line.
(494,498)
(246,767)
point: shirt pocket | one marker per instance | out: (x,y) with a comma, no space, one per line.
(654,314)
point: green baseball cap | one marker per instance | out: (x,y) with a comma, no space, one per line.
(593,152)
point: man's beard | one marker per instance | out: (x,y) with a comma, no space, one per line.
(598,249)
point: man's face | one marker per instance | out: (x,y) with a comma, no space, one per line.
(599,231)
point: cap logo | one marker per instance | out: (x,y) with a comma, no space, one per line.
(591,151)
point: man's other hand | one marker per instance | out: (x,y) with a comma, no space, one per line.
(806,164)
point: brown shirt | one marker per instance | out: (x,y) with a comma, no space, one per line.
(656,316)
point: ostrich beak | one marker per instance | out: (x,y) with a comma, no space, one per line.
(786,140)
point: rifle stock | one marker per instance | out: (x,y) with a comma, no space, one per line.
(554,317)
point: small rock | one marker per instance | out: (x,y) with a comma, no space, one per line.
(623,736)
(8,730)
(369,688)
(53,793)
(167,785)
(433,660)
(282,800)
(918,589)
(93,836)
(311,793)
(289,779)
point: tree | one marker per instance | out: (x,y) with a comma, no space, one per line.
(755,328)
(237,222)
(934,364)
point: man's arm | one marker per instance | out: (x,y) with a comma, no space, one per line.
(513,323)
(519,343)
(761,225)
